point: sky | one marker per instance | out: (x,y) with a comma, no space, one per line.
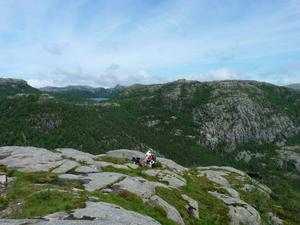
(105,43)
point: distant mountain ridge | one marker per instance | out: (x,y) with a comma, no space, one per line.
(294,86)
(9,86)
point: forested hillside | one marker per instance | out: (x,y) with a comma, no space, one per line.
(250,125)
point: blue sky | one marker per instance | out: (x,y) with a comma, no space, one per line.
(104,43)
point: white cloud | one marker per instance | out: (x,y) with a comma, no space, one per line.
(112,75)
(218,74)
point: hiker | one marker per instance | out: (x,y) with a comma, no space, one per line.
(149,158)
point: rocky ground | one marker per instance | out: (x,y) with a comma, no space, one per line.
(67,186)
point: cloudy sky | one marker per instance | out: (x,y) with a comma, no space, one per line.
(104,43)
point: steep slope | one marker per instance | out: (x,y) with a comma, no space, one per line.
(73,187)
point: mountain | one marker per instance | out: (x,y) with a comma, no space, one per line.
(78,93)
(10,86)
(249,125)
(67,186)
(67,88)
(294,86)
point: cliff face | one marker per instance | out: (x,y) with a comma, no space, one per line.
(67,186)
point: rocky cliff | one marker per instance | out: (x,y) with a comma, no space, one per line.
(67,186)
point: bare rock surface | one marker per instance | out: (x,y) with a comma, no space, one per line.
(240,212)
(106,212)
(86,169)
(29,159)
(170,164)
(166,176)
(125,153)
(139,186)
(66,166)
(102,180)
(77,155)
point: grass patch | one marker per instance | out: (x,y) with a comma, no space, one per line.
(132,202)
(212,210)
(48,201)
(34,177)
(174,198)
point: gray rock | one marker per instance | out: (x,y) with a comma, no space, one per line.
(55,222)
(215,176)
(77,155)
(106,212)
(56,216)
(86,169)
(172,213)
(102,164)
(66,166)
(132,166)
(18,222)
(232,192)
(274,220)
(139,186)
(29,159)
(192,206)
(240,212)
(125,153)
(225,169)
(291,154)
(173,179)
(68,177)
(171,165)
(102,180)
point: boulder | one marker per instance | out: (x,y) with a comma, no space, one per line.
(106,212)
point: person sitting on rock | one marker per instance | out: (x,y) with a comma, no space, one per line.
(149,158)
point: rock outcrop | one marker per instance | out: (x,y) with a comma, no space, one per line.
(97,178)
